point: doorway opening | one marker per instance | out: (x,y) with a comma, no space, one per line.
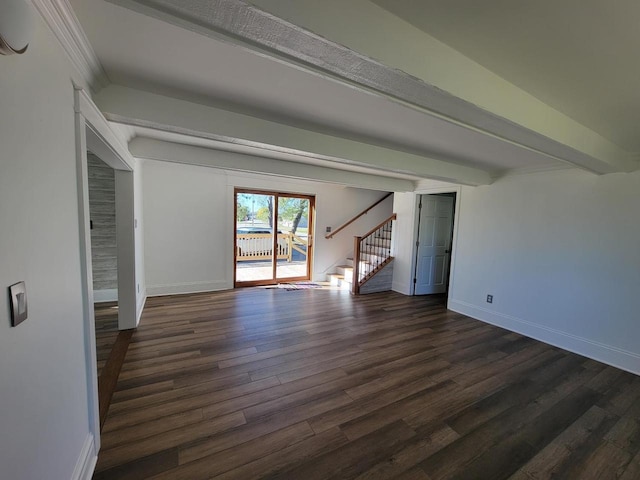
(434,243)
(273,238)
(104,255)
(93,135)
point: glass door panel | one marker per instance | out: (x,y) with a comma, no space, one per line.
(255,218)
(293,237)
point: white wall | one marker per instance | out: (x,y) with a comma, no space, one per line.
(44,419)
(188,213)
(184,240)
(126,246)
(560,253)
(141,294)
(404,238)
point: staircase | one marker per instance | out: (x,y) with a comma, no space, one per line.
(371,264)
(343,278)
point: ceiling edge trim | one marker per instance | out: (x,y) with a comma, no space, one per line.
(238,22)
(62,20)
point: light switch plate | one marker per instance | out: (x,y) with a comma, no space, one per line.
(18,293)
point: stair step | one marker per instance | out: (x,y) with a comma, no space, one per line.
(346,271)
(334,278)
(338,280)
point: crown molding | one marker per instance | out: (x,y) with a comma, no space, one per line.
(62,20)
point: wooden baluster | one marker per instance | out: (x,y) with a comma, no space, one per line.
(355,286)
(368,248)
(377,242)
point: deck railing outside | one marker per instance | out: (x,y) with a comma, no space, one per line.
(259,246)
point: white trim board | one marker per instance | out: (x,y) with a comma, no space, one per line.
(190,287)
(86,272)
(103,141)
(86,461)
(601,352)
(91,128)
(141,303)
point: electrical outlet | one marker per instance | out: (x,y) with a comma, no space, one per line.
(489,298)
(328,229)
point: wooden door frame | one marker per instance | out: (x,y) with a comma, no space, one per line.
(311,232)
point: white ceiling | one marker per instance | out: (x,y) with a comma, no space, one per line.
(145,53)
(579,56)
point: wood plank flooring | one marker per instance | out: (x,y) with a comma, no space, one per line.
(108,379)
(317,384)
(111,348)
(106,318)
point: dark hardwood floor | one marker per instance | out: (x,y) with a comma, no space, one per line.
(111,348)
(106,318)
(317,384)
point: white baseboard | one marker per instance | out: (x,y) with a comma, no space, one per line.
(86,463)
(140,307)
(194,287)
(110,295)
(601,352)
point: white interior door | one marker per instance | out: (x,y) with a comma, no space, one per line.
(434,244)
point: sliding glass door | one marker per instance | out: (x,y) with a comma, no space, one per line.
(254,237)
(273,237)
(294,224)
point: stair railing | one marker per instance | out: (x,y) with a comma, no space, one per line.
(371,252)
(364,212)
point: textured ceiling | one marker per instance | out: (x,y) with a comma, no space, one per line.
(578,56)
(148,54)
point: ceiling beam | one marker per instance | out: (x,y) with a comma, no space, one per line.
(239,22)
(135,107)
(154,149)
